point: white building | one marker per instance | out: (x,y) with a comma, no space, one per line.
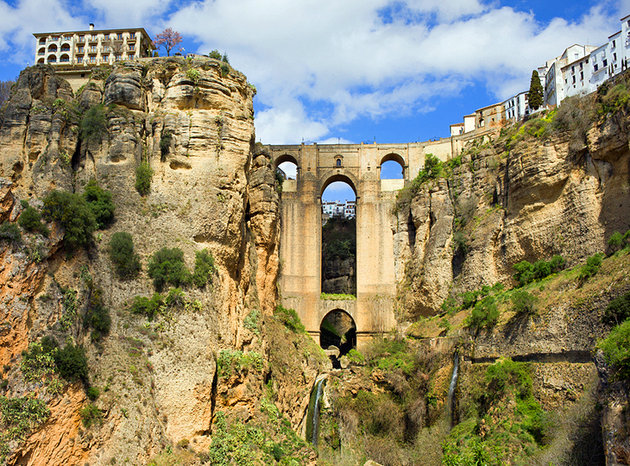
(92,47)
(554,77)
(516,107)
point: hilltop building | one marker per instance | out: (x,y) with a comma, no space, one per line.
(75,53)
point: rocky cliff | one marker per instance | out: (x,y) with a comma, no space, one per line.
(191,121)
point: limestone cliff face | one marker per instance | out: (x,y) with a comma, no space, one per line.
(509,202)
(211,188)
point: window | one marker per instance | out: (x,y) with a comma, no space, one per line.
(105,58)
(339,162)
(119,36)
(80,49)
(92,59)
(581,66)
(106,48)
(132,35)
(106,37)
(582,75)
(605,62)
(573,79)
(79,59)
(117,57)
(42,40)
(614,57)
(132,47)
(595,66)
(93,49)
(81,38)
(613,44)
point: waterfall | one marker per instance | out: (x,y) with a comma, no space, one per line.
(312,418)
(451,387)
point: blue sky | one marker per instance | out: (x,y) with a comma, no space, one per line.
(351,70)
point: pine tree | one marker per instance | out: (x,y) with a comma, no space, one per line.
(535,94)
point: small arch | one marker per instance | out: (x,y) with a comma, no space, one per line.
(389,167)
(65,58)
(41,51)
(52,59)
(65,48)
(42,41)
(339,330)
(287,166)
(338,177)
(52,48)
(41,60)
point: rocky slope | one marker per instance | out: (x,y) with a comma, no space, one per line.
(211,188)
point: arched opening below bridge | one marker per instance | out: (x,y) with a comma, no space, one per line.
(392,167)
(338,332)
(287,166)
(339,238)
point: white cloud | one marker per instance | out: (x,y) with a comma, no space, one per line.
(19,22)
(125,13)
(343,57)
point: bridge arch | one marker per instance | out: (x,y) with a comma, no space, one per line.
(338,329)
(331,177)
(394,157)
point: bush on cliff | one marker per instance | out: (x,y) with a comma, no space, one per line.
(591,267)
(527,272)
(144,173)
(100,202)
(97,316)
(485,314)
(10,232)
(204,268)
(121,252)
(74,214)
(617,310)
(93,124)
(616,349)
(31,220)
(167,266)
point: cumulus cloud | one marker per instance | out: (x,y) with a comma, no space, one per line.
(375,58)
(19,21)
(125,13)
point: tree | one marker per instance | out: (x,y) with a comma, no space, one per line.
(535,95)
(167,39)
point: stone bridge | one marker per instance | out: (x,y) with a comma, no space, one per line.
(359,165)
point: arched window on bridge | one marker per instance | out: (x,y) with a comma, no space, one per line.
(339,238)
(287,167)
(338,332)
(392,167)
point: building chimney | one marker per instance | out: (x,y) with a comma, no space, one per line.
(91,26)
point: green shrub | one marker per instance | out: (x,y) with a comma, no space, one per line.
(31,220)
(90,415)
(121,252)
(523,302)
(194,75)
(215,54)
(289,318)
(19,417)
(165,143)
(93,393)
(527,272)
(10,232)
(100,202)
(591,267)
(73,214)
(391,354)
(97,316)
(355,357)
(93,124)
(167,266)
(72,363)
(147,307)
(616,349)
(252,321)
(617,310)
(38,362)
(144,173)
(230,361)
(204,268)
(485,314)
(175,298)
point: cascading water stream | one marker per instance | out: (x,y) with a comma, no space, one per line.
(312,418)
(452,386)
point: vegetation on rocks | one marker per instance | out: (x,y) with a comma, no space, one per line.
(10,232)
(167,266)
(18,418)
(144,173)
(100,203)
(121,252)
(75,216)
(31,220)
